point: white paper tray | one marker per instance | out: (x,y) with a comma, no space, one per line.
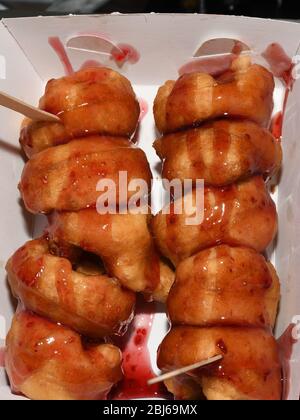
(165,42)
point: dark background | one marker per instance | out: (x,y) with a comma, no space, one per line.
(280,9)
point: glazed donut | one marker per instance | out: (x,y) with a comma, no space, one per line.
(60,277)
(46,361)
(239,215)
(221,153)
(198,97)
(122,241)
(65,177)
(91,101)
(94,305)
(230,286)
(250,368)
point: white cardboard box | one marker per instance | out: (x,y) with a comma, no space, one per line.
(165,42)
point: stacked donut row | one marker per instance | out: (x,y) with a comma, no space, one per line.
(77,284)
(225,297)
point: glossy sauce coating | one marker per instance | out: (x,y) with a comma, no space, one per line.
(250,368)
(221,152)
(65,178)
(240,215)
(94,305)
(246,91)
(123,242)
(88,102)
(46,361)
(230,286)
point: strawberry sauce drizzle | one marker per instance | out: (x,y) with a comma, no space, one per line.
(282,67)
(144,109)
(277,125)
(286,344)
(136,358)
(120,54)
(60,50)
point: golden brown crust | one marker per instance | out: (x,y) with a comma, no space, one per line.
(221,153)
(240,215)
(198,97)
(250,368)
(230,286)
(94,305)
(46,361)
(91,101)
(65,177)
(123,242)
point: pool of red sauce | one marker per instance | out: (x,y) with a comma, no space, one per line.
(136,358)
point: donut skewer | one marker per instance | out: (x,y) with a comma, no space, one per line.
(59,343)
(225,296)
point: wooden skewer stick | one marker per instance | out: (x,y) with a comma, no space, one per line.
(185,369)
(27,110)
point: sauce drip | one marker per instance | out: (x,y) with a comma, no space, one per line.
(144,109)
(221,141)
(280,63)
(277,125)
(120,54)
(193,153)
(60,50)
(64,285)
(281,66)
(286,344)
(172,220)
(136,358)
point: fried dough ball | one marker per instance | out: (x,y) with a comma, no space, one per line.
(246,92)
(46,361)
(221,152)
(91,101)
(239,215)
(230,286)
(250,368)
(94,305)
(124,243)
(66,177)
